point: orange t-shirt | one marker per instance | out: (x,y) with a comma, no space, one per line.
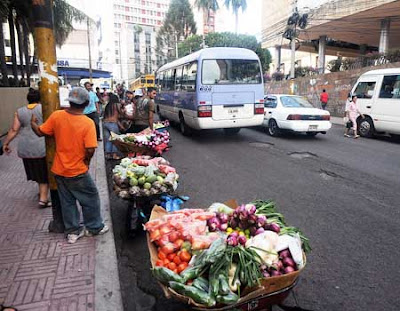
(72,133)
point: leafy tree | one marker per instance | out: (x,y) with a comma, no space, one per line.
(226,39)
(207,6)
(236,5)
(179,23)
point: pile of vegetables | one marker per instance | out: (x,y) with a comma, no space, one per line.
(230,250)
(144,176)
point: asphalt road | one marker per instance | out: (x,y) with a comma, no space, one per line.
(343,193)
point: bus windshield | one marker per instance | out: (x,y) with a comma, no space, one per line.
(231,71)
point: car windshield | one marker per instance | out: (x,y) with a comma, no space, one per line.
(231,71)
(295,102)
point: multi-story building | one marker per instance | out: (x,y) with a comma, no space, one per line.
(345,28)
(135,24)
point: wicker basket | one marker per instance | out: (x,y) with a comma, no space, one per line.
(128,148)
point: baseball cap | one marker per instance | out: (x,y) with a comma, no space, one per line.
(139,92)
(78,95)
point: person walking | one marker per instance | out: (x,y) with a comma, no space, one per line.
(323,98)
(75,137)
(92,110)
(111,123)
(145,109)
(31,149)
(347,121)
(352,113)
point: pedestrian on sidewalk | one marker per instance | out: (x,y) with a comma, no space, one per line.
(75,138)
(323,98)
(145,109)
(111,123)
(92,110)
(31,148)
(347,121)
(352,113)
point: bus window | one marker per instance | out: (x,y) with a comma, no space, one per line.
(231,71)
(178,78)
(142,80)
(149,81)
(190,77)
(170,79)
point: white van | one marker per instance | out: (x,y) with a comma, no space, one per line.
(378,93)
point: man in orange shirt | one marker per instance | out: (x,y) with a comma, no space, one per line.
(76,141)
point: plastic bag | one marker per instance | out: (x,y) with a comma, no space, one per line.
(220,208)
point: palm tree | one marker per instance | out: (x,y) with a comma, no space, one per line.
(207,6)
(3,65)
(236,5)
(12,43)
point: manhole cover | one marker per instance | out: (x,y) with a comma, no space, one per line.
(261,144)
(302,155)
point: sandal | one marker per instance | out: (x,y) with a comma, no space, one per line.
(44,204)
(356,136)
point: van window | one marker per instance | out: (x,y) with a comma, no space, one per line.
(390,87)
(189,77)
(169,80)
(365,90)
(178,78)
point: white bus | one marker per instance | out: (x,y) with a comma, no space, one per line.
(214,88)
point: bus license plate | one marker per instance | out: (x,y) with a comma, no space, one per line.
(312,127)
(233,110)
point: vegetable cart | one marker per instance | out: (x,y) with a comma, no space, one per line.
(238,257)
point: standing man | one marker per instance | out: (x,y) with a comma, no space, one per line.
(92,110)
(75,138)
(323,98)
(145,109)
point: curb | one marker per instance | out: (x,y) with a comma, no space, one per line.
(107,286)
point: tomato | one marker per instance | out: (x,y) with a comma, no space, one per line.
(166,262)
(165,230)
(176,271)
(162,255)
(178,243)
(168,248)
(172,266)
(182,266)
(171,256)
(155,235)
(173,236)
(185,256)
(177,260)
(159,263)
(163,241)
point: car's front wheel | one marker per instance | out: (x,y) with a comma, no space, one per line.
(273,128)
(366,127)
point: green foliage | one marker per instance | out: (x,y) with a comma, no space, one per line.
(305,71)
(179,22)
(236,5)
(226,39)
(211,5)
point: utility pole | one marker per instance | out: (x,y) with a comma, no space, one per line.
(90,53)
(49,98)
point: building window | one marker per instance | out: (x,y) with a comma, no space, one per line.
(116,52)
(117,61)
(144,20)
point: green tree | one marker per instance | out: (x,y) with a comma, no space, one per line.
(179,23)
(207,6)
(226,39)
(236,5)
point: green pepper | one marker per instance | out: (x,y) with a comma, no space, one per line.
(196,294)
(165,275)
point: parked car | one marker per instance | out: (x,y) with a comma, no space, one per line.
(294,113)
(378,93)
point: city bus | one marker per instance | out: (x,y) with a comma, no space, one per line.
(144,81)
(214,88)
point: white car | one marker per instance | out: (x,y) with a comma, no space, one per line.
(294,114)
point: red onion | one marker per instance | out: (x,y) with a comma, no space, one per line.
(253,231)
(251,209)
(261,221)
(242,239)
(259,231)
(274,227)
(235,234)
(285,253)
(288,262)
(223,218)
(223,227)
(288,269)
(232,240)
(275,273)
(252,219)
(266,274)
(233,223)
(213,224)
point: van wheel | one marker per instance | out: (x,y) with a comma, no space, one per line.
(185,130)
(273,128)
(366,127)
(231,131)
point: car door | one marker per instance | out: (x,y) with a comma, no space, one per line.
(270,104)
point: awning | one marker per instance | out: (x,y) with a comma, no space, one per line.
(82,73)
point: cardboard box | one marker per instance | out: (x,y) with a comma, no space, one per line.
(251,297)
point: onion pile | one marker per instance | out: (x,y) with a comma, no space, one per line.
(285,265)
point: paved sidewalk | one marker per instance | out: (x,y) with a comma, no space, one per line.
(337,120)
(40,271)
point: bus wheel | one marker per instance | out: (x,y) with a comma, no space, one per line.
(366,127)
(185,130)
(232,131)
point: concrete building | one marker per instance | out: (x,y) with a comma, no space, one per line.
(347,28)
